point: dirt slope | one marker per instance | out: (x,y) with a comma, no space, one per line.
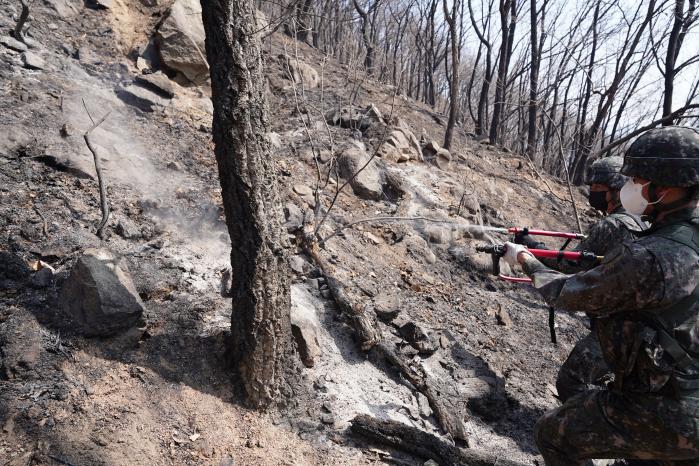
(165,396)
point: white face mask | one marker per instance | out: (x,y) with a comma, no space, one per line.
(632,199)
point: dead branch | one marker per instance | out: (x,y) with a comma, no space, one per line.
(17,33)
(44,226)
(421,443)
(104,203)
(673,116)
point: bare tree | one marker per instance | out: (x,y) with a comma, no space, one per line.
(682,22)
(262,344)
(455,40)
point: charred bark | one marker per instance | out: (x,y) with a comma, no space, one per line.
(262,344)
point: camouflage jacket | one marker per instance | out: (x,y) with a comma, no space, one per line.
(605,235)
(636,279)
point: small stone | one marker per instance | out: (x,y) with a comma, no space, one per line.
(158,83)
(33,61)
(275,139)
(503,317)
(53,26)
(142,65)
(13,44)
(89,391)
(430,463)
(303,190)
(372,238)
(313,283)
(297,264)
(294,217)
(327,406)
(320,384)
(327,418)
(174,166)
(424,405)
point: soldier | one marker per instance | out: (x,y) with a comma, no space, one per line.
(585,367)
(645,299)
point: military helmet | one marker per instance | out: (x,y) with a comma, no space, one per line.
(606,171)
(668,156)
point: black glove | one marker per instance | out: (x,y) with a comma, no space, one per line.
(522,237)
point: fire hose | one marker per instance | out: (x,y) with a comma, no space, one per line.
(497,251)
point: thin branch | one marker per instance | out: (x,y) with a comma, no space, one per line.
(104,204)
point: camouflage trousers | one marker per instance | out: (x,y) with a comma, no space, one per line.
(613,424)
(584,368)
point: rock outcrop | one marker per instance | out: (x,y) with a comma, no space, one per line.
(180,40)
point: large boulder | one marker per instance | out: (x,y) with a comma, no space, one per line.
(368,183)
(100,296)
(180,40)
(302,73)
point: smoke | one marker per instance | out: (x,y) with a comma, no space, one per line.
(128,159)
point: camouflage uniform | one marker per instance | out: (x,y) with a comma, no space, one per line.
(645,299)
(585,367)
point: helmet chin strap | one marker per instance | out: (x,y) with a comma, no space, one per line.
(655,202)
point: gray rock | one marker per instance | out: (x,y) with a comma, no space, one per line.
(303,190)
(305,334)
(294,217)
(387,306)
(127,230)
(42,278)
(142,98)
(302,73)
(100,296)
(327,418)
(418,338)
(33,61)
(159,83)
(367,184)
(351,117)
(297,264)
(180,40)
(13,44)
(424,405)
(275,139)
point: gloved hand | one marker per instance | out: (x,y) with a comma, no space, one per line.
(512,251)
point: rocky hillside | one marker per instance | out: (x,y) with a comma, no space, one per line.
(113,348)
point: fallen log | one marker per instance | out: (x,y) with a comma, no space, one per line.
(422,444)
(371,340)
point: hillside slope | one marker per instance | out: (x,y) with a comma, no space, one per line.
(163,394)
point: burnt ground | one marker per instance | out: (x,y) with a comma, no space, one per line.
(166,396)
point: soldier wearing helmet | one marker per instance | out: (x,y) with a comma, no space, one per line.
(585,366)
(645,299)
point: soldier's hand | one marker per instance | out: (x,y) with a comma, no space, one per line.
(512,253)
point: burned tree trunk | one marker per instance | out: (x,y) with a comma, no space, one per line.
(260,323)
